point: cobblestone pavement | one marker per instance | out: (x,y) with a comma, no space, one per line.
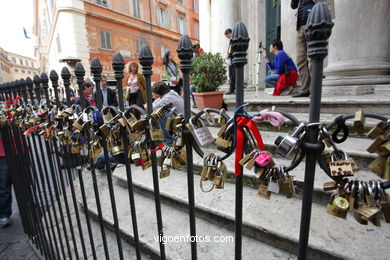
(13,241)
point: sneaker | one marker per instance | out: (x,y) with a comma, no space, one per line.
(194,106)
(4,222)
(229,93)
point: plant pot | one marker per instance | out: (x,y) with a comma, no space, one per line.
(212,99)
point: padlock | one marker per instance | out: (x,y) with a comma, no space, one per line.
(264,159)
(378,142)
(263,191)
(169,124)
(202,135)
(377,130)
(78,123)
(158,114)
(117,150)
(338,206)
(383,202)
(386,173)
(156,133)
(165,172)
(224,143)
(330,186)
(358,123)
(105,129)
(384,149)
(378,166)
(341,167)
(96,117)
(290,143)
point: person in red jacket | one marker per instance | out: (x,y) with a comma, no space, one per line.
(284,70)
(5,189)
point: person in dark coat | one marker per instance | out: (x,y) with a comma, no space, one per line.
(109,95)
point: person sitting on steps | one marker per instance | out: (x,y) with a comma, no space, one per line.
(285,72)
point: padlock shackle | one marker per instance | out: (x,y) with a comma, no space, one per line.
(132,108)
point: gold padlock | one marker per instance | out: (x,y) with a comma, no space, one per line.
(338,206)
(384,149)
(358,123)
(156,133)
(378,165)
(378,142)
(377,130)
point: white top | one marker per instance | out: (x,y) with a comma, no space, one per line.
(170,98)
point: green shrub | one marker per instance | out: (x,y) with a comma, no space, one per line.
(208,72)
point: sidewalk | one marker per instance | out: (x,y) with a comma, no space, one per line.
(13,241)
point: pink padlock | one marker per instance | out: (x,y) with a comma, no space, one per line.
(263,159)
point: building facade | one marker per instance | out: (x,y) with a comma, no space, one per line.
(72,30)
(15,66)
(355,64)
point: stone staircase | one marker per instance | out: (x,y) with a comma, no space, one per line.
(270,227)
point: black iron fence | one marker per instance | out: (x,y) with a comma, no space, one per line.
(49,141)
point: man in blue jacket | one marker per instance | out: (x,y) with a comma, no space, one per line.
(281,63)
(303,63)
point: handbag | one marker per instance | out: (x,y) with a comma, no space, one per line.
(180,83)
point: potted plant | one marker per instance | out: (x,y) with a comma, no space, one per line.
(208,72)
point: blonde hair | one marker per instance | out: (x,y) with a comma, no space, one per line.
(131,64)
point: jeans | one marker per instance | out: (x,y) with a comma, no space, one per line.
(270,80)
(5,189)
(101,163)
(167,136)
(192,90)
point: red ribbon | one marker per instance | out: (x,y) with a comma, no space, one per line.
(9,103)
(30,130)
(159,147)
(240,137)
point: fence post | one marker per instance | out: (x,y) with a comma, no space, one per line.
(54,83)
(37,89)
(118,65)
(45,86)
(317,31)
(146,59)
(29,85)
(12,86)
(80,73)
(96,69)
(240,42)
(185,54)
(65,75)
(22,84)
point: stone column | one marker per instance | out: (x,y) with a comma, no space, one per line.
(359,53)
(205,25)
(224,14)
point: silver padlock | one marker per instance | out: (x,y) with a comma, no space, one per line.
(290,143)
(202,135)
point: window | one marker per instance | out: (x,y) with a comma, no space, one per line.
(181,1)
(13,60)
(139,43)
(16,70)
(102,2)
(164,49)
(21,62)
(162,17)
(23,71)
(196,6)
(196,30)
(29,72)
(26,62)
(136,9)
(105,40)
(58,43)
(181,25)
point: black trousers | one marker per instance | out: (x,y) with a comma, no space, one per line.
(232,78)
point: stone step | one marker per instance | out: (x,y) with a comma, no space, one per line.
(355,147)
(275,221)
(175,223)
(129,251)
(326,119)
(371,103)
(320,196)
